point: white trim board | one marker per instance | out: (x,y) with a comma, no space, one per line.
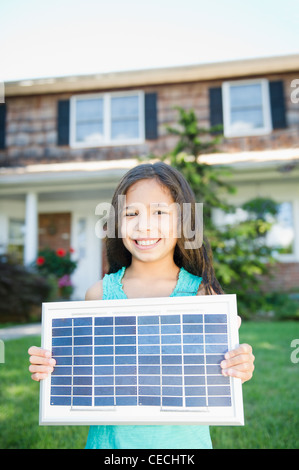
(139,414)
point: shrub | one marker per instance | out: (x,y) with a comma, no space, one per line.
(21,290)
(57,266)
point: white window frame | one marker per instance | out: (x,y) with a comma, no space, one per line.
(107,141)
(266,106)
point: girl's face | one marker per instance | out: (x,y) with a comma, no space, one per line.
(149,221)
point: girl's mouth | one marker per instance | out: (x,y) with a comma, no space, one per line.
(146,243)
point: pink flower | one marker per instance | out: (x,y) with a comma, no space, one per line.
(40,261)
(65,281)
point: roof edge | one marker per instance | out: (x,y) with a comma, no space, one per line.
(156,76)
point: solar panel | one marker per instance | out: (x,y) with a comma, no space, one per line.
(141,361)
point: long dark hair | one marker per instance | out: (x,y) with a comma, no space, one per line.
(197,261)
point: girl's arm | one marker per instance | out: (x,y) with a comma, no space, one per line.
(238,362)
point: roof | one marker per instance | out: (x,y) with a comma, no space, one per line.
(135,78)
(269,164)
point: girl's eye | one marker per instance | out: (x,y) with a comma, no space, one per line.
(130,214)
(159,212)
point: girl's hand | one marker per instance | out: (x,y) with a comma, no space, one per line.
(41,363)
(239,362)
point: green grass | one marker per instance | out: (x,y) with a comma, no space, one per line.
(271,402)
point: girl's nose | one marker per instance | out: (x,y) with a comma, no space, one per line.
(143,222)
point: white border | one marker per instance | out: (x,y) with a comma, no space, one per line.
(141,415)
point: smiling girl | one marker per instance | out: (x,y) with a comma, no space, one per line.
(148,258)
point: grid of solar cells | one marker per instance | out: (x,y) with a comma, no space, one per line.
(148,360)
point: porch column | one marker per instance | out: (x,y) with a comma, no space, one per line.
(31,229)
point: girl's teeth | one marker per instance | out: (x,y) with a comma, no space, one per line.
(146,242)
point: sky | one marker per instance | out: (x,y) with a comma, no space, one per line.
(41,38)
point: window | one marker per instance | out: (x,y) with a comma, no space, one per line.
(15,246)
(246,108)
(282,234)
(107,119)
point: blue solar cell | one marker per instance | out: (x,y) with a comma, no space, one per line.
(172,380)
(172,401)
(82,340)
(170,329)
(125,339)
(149,380)
(126,380)
(82,391)
(104,401)
(168,319)
(195,380)
(62,341)
(148,330)
(148,320)
(103,321)
(83,380)
(170,349)
(104,330)
(103,370)
(82,321)
(61,401)
(149,401)
(103,380)
(82,401)
(149,360)
(125,320)
(61,351)
(129,390)
(172,391)
(196,401)
(61,380)
(83,360)
(61,322)
(103,340)
(215,318)
(126,401)
(63,360)
(149,390)
(62,331)
(62,371)
(104,391)
(171,339)
(192,319)
(154,339)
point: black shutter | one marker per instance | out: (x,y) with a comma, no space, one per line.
(2,125)
(216,111)
(63,122)
(278,111)
(151,122)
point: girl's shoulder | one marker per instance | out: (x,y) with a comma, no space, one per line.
(95,292)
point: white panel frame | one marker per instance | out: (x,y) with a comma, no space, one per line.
(141,415)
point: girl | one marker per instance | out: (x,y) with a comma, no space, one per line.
(148,258)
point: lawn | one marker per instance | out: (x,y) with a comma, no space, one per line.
(270,399)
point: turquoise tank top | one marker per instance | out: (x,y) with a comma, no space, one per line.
(149,436)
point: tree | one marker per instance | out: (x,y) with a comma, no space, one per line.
(241,255)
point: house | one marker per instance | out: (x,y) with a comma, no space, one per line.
(65,142)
